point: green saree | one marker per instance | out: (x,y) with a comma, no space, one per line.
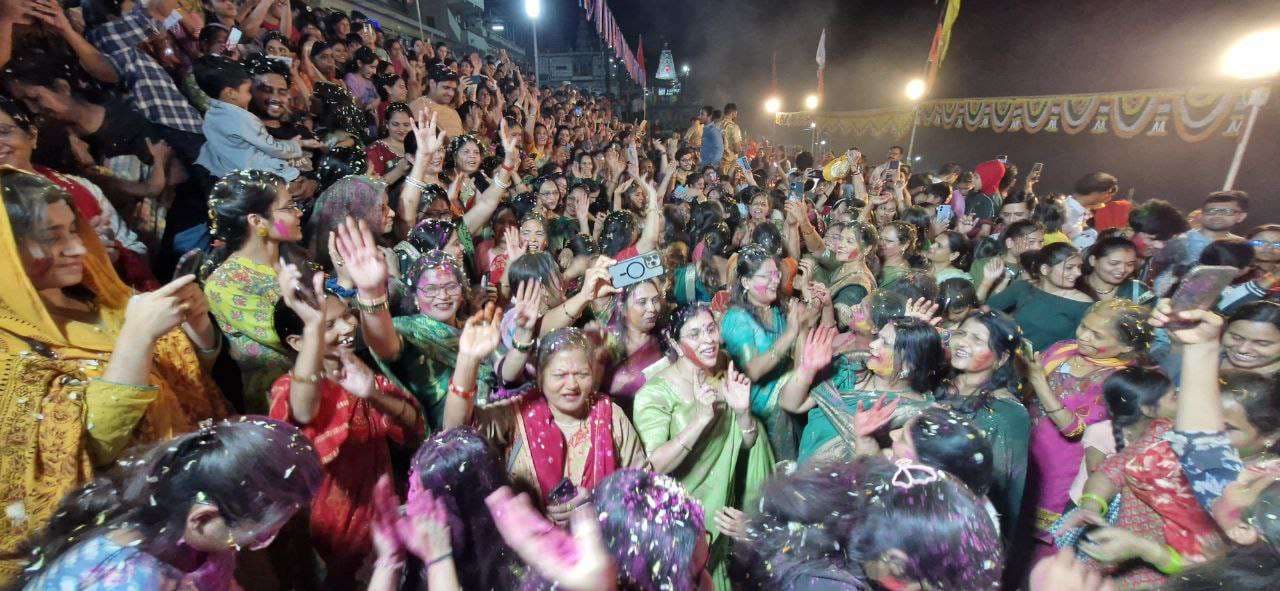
(713,472)
(426,362)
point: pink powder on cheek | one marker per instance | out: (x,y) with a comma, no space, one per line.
(282,229)
(39,266)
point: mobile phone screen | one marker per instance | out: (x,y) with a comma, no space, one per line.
(233,39)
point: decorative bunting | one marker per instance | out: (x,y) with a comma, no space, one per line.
(1194,115)
(611,35)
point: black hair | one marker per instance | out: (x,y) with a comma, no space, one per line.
(339,162)
(1258,395)
(393,108)
(461,469)
(1130,390)
(768,237)
(382,81)
(318,48)
(948,441)
(917,346)
(619,229)
(1051,255)
(26,200)
(1240,198)
(231,201)
(258,65)
(919,218)
(1004,338)
(750,259)
(362,56)
(1019,229)
(1230,253)
(1096,182)
(717,241)
(1259,311)
(1021,197)
(956,293)
(215,73)
(538,267)
(958,244)
(1099,251)
(255,471)
(651,527)
(1050,214)
(1159,219)
(804,160)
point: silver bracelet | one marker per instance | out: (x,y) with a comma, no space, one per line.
(499,184)
(415,183)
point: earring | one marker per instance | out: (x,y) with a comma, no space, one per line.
(262,232)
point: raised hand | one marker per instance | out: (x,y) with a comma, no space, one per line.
(577,563)
(966,224)
(152,314)
(309,306)
(993,272)
(360,254)
(597,283)
(356,377)
(430,138)
(481,333)
(924,309)
(513,244)
(737,390)
(386,511)
(510,146)
(527,305)
(870,420)
(1189,327)
(424,528)
(817,349)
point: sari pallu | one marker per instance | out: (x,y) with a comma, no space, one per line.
(624,373)
(57,420)
(744,339)
(1055,457)
(538,455)
(428,355)
(242,298)
(352,439)
(714,472)
(830,432)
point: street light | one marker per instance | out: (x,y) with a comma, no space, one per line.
(914,91)
(1256,55)
(811,102)
(772,105)
(533,8)
(684,69)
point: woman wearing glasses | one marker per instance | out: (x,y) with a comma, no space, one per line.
(255,220)
(759,334)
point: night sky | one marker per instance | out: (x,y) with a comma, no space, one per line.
(998,48)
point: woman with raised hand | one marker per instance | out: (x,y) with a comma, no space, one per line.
(1047,305)
(696,426)
(906,366)
(1067,381)
(561,437)
(90,368)
(759,336)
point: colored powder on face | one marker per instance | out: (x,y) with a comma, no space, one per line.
(282,229)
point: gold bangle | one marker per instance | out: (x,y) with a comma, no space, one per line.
(311,379)
(373,307)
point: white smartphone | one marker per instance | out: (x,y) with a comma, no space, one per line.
(233,39)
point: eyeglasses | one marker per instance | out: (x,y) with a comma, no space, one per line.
(292,206)
(1220,211)
(432,292)
(1264,244)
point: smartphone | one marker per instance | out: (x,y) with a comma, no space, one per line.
(1036,169)
(190,264)
(284,59)
(892,171)
(642,267)
(233,39)
(1202,286)
(1003,158)
(681,193)
(744,165)
(944,214)
(577,111)
(795,191)
(562,493)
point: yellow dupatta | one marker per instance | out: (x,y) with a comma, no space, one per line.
(50,401)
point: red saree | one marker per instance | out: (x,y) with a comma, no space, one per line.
(548,447)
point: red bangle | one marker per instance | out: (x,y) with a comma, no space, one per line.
(508,168)
(463,394)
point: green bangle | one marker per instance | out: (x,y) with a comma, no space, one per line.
(440,558)
(1103,505)
(1175,563)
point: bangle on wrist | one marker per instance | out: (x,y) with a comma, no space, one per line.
(371,307)
(454,390)
(1101,503)
(438,559)
(415,183)
(524,347)
(393,562)
(311,379)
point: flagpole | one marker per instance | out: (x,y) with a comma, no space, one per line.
(1258,97)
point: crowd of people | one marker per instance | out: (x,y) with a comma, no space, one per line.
(300,304)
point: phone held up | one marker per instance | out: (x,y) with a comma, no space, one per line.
(1201,287)
(636,269)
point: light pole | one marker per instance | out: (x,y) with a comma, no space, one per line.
(811,102)
(533,8)
(915,91)
(1256,56)
(813,137)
